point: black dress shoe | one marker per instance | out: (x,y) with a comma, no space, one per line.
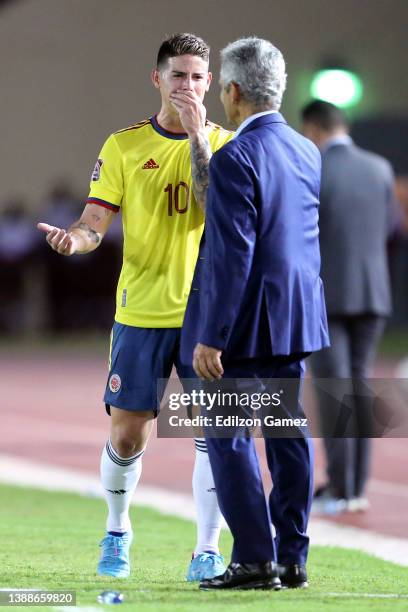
(293,576)
(245,576)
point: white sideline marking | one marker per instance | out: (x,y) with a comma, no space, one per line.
(33,589)
(389,548)
(368,595)
(315,595)
(14,470)
(77,608)
(17,471)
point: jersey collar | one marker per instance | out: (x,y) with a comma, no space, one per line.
(163,132)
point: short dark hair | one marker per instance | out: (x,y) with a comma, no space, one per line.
(324,114)
(182,44)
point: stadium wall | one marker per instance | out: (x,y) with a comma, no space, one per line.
(77,70)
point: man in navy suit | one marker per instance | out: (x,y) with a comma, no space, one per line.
(256,309)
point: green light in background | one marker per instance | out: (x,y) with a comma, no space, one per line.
(340,87)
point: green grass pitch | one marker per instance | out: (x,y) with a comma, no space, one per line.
(49,541)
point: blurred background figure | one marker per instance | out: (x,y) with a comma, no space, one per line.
(76,297)
(399,258)
(358,213)
(18,242)
(62,206)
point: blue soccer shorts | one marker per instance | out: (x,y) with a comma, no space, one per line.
(139,357)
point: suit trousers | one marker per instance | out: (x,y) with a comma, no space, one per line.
(238,481)
(353,346)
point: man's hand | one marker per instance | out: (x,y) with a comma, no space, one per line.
(191,111)
(192,115)
(207,362)
(84,236)
(65,243)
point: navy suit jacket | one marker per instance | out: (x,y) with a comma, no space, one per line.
(256,290)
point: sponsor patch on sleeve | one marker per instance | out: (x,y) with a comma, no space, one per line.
(97,170)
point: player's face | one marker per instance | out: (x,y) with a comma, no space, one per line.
(182,73)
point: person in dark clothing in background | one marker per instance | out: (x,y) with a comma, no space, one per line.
(357,214)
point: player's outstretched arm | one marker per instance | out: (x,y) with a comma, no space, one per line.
(84,236)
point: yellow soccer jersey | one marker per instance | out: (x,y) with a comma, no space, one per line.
(145,171)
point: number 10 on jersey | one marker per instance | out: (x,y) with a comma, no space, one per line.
(178,198)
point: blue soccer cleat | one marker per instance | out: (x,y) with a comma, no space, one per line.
(114,559)
(205,566)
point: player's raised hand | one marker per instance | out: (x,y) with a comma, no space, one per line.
(191,110)
(65,243)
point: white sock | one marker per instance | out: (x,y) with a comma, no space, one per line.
(119,477)
(209,517)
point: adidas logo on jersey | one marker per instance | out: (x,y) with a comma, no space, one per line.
(150,165)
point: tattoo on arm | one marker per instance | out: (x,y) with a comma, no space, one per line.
(200,158)
(92,235)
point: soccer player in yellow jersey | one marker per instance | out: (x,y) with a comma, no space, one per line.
(156,173)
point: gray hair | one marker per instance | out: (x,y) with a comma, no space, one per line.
(258,68)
